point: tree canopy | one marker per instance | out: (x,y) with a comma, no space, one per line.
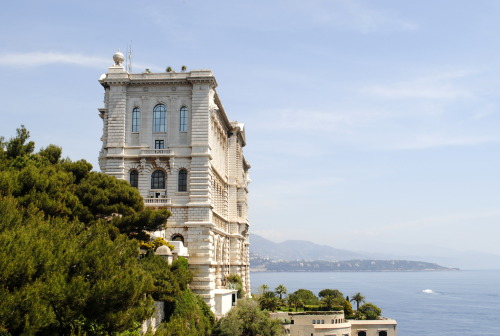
(306,297)
(246,319)
(69,249)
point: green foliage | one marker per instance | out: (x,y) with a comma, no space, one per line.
(331,292)
(18,146)
(67,263)
(370,311)
(236,282)
(65,277)
(52,153)
(294,301)
(69,190)
(358,298)
(190,317)
(246,319)
(306,296)
(154,244)
(263,288)
(269,301)
(280,290)
(347,307)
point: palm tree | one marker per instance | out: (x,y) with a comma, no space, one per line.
(329,301)
(358,297)
(281,289)
(264,288)
(294,301)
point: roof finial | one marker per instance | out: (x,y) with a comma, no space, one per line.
(118,58)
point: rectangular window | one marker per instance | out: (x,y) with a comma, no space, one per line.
(159,144)
(136,120)
(183,125)
(160,118)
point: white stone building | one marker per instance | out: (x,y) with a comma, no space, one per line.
(334,324)
(169,136)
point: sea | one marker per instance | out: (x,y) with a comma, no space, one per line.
(447,303)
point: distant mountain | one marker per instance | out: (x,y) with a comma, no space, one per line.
(304,256)
(299,250)
(291,250)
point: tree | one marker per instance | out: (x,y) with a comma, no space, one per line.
(330,292)
(69,257)
(236,282)
(348,312)
(269,301)
(307,297)
(263,288)
(358,298)
(294,301)
(66,278)
(246,319)
(329,302)
(370,311)
(280,290)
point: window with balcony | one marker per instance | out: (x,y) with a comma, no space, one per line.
(183,124)
(160,118)
(159,144)
(136,120)
(158,179)
(134,178)
(182,183)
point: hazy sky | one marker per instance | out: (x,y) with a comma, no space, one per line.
(371,125)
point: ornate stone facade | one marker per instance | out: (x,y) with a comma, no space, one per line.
(168,134)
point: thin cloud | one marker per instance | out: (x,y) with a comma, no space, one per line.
(352,15)
(39,58)
(441,86)
(47,58)
(426,141)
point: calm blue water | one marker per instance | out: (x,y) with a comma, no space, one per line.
(462,302)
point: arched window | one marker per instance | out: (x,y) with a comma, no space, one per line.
(136,119)
(182,185)
(134,178)
(160,118)
(177,237)
(158,180)
(183,124)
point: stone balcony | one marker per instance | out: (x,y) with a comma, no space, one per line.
(156,152)
(157,202)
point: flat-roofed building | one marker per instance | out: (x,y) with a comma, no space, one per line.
(169,136)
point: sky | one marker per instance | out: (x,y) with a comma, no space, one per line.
(371,125)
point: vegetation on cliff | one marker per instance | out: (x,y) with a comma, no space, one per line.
(69,251)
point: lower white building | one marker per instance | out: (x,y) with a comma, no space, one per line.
(333,324)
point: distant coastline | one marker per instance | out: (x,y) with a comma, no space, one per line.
(258,264)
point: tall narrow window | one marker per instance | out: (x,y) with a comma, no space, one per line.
(134,178)
(159,144)
(182,185)
(158,180)
(136,119)
(183,125)
(159,118)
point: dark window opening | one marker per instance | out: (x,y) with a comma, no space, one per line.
(134,178)
(159,144)
(158,180)
(182,185)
